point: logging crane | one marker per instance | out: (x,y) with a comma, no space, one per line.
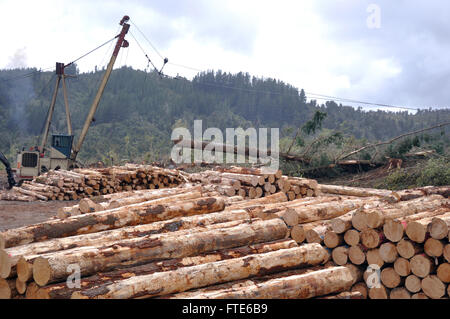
(62,153)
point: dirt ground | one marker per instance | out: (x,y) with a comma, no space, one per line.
(15,214)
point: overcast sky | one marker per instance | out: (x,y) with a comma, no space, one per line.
(388,51)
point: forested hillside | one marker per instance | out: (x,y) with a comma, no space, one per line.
(139,110)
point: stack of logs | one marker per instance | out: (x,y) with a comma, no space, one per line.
(87,183)
(251,183)
(403,248)
(177,242)
(193,242)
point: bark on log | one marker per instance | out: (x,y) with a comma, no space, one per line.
(394,228)
(359,192)
(116,218)
(52,267)
(376,218)
(207,274)
(309,285)
(325,211)
(61,291)
(8,263)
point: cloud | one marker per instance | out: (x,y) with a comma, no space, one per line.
(403,61)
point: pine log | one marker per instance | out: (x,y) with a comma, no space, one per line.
(446,253)
(340,255)
(275,198)
(361,288)
(443,272)
(372,238)
(390,278)
(116,218)
(186,278)
(202,293)
(413,283)
(378,292)
(433,247)
(21,286)
(251,171)
(419,295)
(421,265)
(52,267)
(439,227)
(394,228)
(7,288)
(399,293)
(433,287)
(61,291)
(352,237)
(325,211)
(376,218)
(298,232)
(373,257)
(305,286)
(332,240)
(317,234)
(356,255)
(407,249)
(402,267)
(345,295)
(388,252)
(8,264)
(360,192)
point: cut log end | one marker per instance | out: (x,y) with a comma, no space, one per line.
(41,271)
(5,264)
(24,270)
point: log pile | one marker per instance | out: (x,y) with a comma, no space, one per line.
(402,248)
(251,183)
(192,241)
(88,183)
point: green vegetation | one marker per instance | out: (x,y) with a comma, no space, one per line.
(433,172)
(139,110)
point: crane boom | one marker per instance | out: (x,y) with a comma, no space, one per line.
(121,42)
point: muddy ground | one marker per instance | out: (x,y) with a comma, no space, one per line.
(15,214)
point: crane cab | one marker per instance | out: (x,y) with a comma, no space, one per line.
(33,163)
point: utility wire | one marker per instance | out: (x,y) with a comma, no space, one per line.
(151,44)
(84,55)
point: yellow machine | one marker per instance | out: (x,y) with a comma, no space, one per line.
(62,154)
